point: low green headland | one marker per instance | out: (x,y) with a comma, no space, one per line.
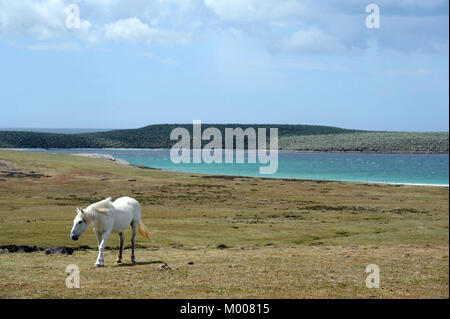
(291,137)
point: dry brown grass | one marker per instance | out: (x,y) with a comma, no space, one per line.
(287,239)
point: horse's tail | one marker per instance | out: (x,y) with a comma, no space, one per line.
(143,230)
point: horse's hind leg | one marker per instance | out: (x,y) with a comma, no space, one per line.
(134,227)
(122,238)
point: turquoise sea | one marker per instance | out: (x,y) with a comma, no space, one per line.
(429,169)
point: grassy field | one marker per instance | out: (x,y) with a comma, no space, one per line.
(284,238)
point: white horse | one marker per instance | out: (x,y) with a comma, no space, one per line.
(107,217)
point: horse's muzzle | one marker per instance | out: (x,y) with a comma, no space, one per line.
(74,237)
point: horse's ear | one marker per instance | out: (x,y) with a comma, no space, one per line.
(82,212)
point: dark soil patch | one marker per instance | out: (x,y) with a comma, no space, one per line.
(47,250)
(230,178)
(20,248)
(59,251)
(142,166)
(18,174)
(409,211)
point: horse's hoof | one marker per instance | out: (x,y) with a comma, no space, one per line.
(99,265)
(133,261)
(118,261)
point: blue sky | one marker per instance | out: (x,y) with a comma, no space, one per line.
(133,63)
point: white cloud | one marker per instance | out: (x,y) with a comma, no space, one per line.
(337,26)
(312,41)
(257,10)
(131,29)
(134,30)
(42,19)
(290,26)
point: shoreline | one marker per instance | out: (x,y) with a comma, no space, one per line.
(280,150)
(109,157)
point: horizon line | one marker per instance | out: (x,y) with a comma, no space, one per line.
(18,129)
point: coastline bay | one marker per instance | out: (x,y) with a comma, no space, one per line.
(420,169)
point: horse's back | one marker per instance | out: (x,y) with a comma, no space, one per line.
(128,206)
(126,201)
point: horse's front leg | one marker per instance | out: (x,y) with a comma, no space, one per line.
(100,260)
(99,242)
(122,238)
(99,238)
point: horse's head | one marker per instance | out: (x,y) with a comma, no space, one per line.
(80,224)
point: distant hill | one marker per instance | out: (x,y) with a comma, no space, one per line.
(56,130)
(370,142)
(291,137)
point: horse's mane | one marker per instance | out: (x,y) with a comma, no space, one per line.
(103,207)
